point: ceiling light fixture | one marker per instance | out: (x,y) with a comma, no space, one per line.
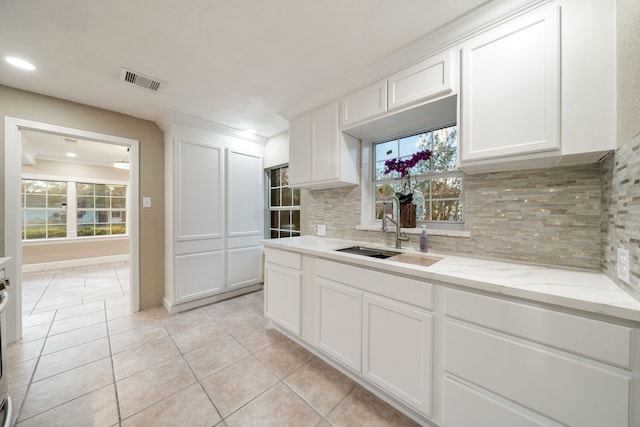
(122,164)
(70,154)
(251,131)
(20,63)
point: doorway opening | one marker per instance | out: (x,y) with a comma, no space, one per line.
(65,213)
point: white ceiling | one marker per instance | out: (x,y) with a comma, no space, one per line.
(238,63)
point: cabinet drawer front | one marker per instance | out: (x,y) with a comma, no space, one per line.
(592,338)
(287,259)
(565,390)
(464,407)
(411,291)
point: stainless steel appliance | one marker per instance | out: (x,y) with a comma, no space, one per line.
(6,405)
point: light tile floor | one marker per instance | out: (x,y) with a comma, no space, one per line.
(85,360)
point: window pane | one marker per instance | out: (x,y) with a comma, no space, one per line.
(86,202)
(274,176)
(446,210)
(275,223)
(56,201)
(287,199)
(57,231)
(296,197)
(412,144)
(102,216)
(274,234)
(445,149)
(118,202)
(275,197)
(447,188)
(59,188)
(102,202)
(36,201)
(103,229)
(295,216)
(35,232)
(285,220)
(83,189)
(35,217)
(86,217)
(386,150)
(54,217)
(39,187)
(118,229)
(118,191)
(85,230)
(102,190)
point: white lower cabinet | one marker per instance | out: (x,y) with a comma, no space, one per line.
(339,322)
(532,373)
(397,348)
(387,342)
(283,286)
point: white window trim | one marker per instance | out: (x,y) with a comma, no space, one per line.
(72,208)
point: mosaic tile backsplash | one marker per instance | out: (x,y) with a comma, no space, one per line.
(550,216)
(621,213)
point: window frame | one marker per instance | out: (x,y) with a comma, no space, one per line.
(369,196)
(71,210)
(268,187)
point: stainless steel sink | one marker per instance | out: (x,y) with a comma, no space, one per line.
(369,252)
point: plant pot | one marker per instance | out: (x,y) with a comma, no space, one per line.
(408,215)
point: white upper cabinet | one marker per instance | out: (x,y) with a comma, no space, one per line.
(320,155)
(364,104)
(422,81)
(396,100)
(510,88)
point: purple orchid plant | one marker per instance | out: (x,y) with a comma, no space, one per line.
(403,167)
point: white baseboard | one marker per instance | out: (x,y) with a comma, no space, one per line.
(29,268)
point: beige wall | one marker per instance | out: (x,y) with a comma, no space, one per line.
(30,106)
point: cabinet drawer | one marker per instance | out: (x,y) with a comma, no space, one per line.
(592,338)
(464,407)
(285,258)
(569,391)
(411,291)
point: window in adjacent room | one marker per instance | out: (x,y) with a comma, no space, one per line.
(70,209)
(44,209)
(438,186)
(284,205)
(101,209)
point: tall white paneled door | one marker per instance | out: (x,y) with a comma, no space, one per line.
(245,218)
(217,220)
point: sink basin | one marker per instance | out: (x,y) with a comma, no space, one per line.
(417,259)
(369,252)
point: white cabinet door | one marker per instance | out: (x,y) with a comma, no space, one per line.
(282,296)
(320,156)
(325,152)
(397,350)
(199,191)
(364,104)
(419,82)
(199,275)
(510,88)
(339,322)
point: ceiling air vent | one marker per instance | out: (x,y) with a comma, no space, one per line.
(129,76)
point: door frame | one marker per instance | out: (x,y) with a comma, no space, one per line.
(12,217)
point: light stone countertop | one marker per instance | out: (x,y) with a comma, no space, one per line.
(577,289)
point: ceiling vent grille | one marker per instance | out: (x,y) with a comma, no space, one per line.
(140,80)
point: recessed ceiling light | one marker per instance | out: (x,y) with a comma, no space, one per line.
(70,154)
(251,131)
(122,164)
(20,63)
